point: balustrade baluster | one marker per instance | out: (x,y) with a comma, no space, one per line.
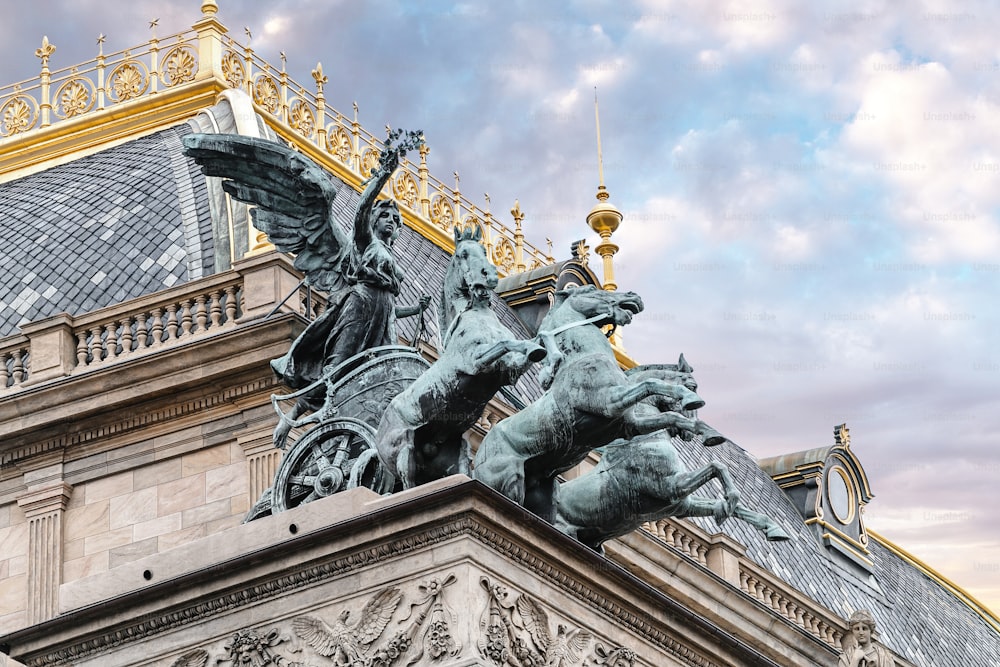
(81,348)
(172,321)
(4,373)
(111,341)
(201,313)
(17,369)
(231,304)
(157,326)
(140,331)
(215,309)
(186,318)
(126,338)
(95,352)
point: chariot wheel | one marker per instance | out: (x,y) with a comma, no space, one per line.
(334,456)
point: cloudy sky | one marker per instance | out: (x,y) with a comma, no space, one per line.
(810,192)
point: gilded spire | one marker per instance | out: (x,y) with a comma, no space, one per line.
(604,218)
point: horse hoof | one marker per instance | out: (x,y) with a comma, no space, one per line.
(692,401)
(536,354)
(776,534)
(709,436)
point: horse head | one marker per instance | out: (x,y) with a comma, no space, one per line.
(470,274)
(618,308)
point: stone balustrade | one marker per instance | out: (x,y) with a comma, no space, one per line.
(64,344)
(728,559)
(14,358)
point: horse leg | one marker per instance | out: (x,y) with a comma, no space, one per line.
(531,351)
(648,422)
(686,483)
(615,400)
(405,465)
(772,531)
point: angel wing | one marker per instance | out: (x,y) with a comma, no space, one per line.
(536,622)
(376,615)
(292,194)
(317,634)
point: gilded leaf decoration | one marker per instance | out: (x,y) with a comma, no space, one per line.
(232,69)
(128,81)
(75,97)
(442,214)
(19,115)
(503,255)
(266,93)
(179,66)
(404,188)
(369,161)
(340,144)
(301,118)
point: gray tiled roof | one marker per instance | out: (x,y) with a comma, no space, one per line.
(102,229)
(917,617)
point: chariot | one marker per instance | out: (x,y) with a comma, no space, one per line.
(337,451)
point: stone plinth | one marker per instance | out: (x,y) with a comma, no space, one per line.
(449,573)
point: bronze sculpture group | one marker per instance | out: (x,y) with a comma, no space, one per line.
(387,421)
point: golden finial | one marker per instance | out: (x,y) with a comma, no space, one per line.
(518,215)
(100,44)
(209,7)
(486,196)
(319,77)
(388,129)
(45,50)
(249,34)
(842,435)
(281,54)
(355,104)
(458,179)
(152,26)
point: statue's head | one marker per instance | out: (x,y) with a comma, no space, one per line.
(862,626)
(385,217)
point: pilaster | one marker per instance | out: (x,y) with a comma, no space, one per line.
(263,458)
(44,507)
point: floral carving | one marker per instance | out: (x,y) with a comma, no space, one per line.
(19,115)
(248,648)
(340,143)
(517,632)
(503,255)
(442,214)
(404,188)
(128,81)
(606,656)
(179,66)
(232,69)
(301,118)
(75,98)
(471,223)
(266,93)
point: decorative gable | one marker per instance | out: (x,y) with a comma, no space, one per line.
(829,487)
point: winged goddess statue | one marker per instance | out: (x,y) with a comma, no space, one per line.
(294,206)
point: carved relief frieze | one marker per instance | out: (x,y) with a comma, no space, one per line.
(516,631)
(384,633)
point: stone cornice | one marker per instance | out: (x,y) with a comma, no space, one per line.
(448,511)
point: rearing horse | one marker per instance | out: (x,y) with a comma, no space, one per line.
(589,402)
(642,480)
(421,435)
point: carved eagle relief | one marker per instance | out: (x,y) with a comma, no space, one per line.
(562,650)
(347,642)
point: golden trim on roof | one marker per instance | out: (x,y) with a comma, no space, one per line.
(66,113)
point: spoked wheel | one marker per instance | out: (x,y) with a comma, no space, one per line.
(334,456)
